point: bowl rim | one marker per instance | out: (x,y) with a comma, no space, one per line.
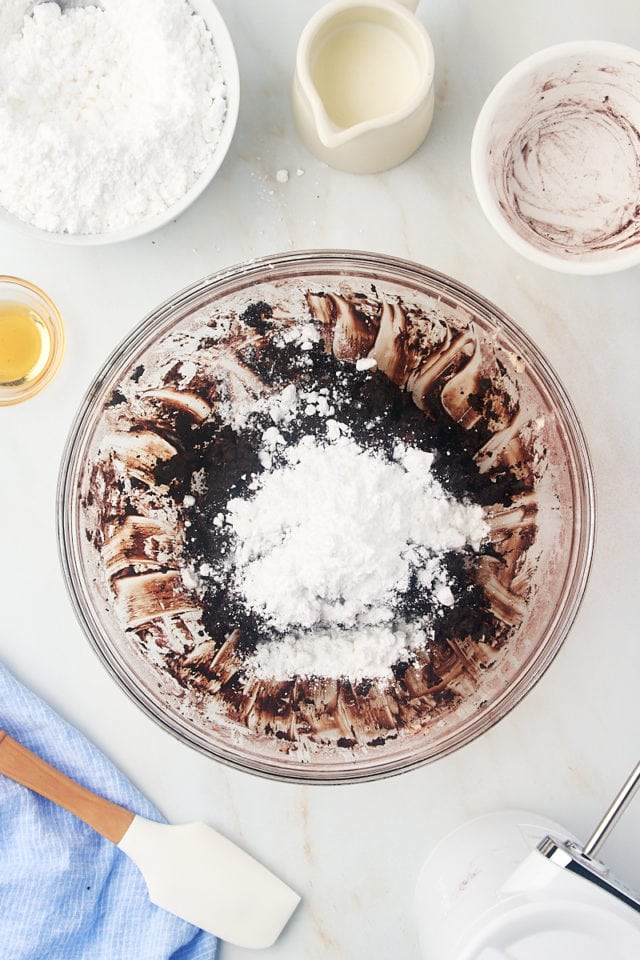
(619,260)
(230,72)
(582,542)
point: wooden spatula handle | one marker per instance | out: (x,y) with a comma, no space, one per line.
(23,766)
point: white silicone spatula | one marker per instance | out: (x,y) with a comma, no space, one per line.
(190,870)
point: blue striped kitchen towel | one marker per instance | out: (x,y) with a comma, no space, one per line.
(65,893)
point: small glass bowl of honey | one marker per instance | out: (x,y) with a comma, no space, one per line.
(31,340)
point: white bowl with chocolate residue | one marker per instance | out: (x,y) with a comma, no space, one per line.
(555,157)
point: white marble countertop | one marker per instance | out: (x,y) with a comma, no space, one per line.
(354,851)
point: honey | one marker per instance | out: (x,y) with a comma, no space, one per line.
(25,344)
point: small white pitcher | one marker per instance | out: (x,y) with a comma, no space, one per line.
(363,84)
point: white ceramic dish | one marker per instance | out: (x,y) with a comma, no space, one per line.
(555,157)
(227,56)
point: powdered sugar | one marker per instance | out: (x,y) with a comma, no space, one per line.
(327,540)
(342,530)
(335,555)
(108,114)
(354,654)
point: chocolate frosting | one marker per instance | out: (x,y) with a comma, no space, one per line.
(169,429)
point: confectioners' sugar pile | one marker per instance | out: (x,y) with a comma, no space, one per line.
(326,539)
(108,113)
(329,540)
(339,530)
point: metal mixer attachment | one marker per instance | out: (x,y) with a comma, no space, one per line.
(581,860)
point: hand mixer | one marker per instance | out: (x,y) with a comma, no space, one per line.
(515,886)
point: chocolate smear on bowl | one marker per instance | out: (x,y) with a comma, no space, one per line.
(171,458)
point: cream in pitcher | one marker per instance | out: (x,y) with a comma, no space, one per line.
(363,85)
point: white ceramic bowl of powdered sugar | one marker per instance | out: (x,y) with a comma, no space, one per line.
(114,117)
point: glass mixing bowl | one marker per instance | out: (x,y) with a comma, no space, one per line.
(122,532)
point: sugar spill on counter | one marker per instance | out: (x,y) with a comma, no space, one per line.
(109,113)
(325,541)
